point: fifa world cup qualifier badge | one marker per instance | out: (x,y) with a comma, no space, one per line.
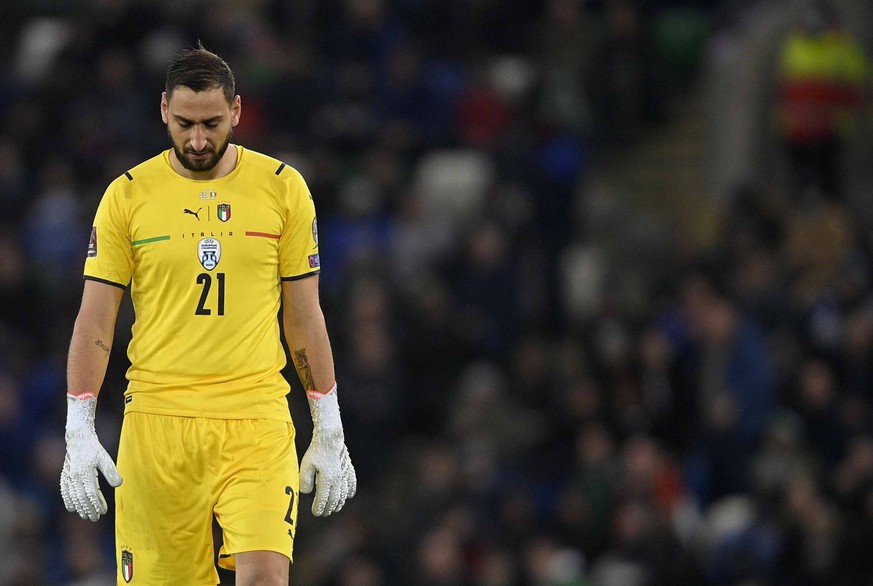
(314,260)
(92,243)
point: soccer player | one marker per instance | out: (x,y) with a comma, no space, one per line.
(211,239)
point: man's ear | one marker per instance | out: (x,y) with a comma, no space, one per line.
(164,107)
(235,110)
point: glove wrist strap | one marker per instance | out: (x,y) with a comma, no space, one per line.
(81,410)
(324,408)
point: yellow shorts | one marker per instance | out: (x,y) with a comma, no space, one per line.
(179,472)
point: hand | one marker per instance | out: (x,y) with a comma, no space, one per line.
(326,463)
(85,455)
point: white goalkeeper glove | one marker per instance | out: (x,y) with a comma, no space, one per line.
(326,463)
(85,456)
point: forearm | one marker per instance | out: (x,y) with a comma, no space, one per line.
(86,368)
(88,357)
(326,465)
(310,350)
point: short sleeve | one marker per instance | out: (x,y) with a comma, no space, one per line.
(298,243)
(109,256)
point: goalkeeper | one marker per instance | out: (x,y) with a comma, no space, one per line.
(212,240)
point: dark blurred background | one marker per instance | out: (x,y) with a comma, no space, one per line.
(598,275)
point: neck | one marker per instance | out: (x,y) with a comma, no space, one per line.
(226,164)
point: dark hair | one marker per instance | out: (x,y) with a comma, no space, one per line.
(200,70)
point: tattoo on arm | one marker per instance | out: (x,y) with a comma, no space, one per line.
(102,346)
(304,371)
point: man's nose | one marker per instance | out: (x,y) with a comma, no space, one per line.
(198,139)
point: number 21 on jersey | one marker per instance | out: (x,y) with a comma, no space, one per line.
(209,300)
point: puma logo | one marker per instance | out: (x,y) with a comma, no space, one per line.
(195,214)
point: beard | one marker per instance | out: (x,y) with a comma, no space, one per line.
(199,165)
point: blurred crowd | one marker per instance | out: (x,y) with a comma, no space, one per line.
(514,417)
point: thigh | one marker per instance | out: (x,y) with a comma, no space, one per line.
(261,568)
(256,500)
(163,508)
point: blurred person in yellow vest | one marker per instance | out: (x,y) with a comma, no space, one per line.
(822,78)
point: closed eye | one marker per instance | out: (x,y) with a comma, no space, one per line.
(211,123)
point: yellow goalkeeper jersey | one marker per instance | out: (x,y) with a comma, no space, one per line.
(204,261)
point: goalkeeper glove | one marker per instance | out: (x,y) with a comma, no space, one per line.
(84,457)
(326,462)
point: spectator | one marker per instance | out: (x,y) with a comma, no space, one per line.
(724,387)
(822,81)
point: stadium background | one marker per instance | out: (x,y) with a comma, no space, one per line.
(584,334)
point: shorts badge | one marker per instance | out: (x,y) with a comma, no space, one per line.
(127,565)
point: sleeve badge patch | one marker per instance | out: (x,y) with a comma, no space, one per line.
(92,243)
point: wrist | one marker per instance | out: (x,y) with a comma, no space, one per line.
(316,394)
(324,408)
(81,410)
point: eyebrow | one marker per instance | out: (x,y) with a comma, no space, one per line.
(184,120)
